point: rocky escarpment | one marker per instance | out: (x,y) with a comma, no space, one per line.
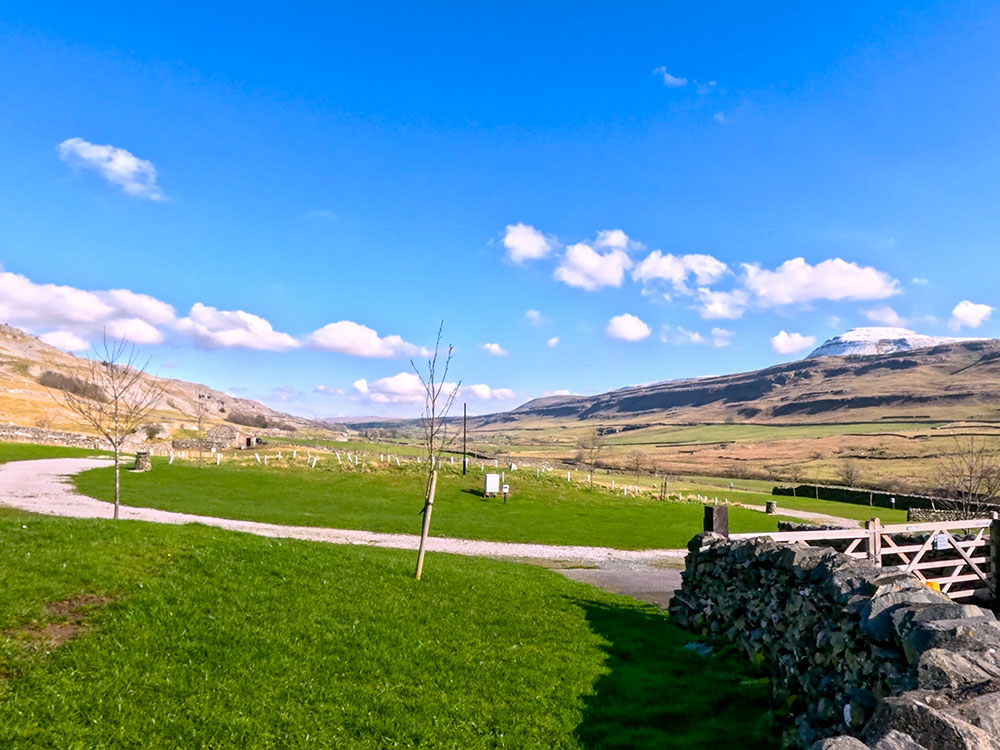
(870,656)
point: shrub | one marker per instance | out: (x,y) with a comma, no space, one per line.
(71,384)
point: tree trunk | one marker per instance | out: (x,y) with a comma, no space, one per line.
(117,482)
(428,507)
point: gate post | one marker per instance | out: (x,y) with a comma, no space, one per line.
(717,519)
(874,541)
(995,553)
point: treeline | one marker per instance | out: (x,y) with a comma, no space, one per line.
(72,385)
(259,421)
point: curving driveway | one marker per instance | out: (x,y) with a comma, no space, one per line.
(43,486)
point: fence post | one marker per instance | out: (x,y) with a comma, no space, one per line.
(717,519)
(995,552)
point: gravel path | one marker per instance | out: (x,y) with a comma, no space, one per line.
(43,486)
(807,515)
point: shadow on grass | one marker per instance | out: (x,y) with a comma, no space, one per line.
(659,695)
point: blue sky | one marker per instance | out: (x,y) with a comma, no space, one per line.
(294,198)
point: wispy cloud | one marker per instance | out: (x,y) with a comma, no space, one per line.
(495,349)
(670,81)
(137,177)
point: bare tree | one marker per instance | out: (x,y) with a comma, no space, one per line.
(850,473)
(201,408)
(439,395)
(591,447)
(794,474)
(120,397)
(634,461)
(970,474)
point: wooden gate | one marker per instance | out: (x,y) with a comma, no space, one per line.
(959,557)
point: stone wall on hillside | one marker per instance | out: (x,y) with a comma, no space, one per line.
(15,434)
(853,649)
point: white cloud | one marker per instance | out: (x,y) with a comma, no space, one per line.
(969,314)
(223,329)
(627,327)
(533,316)
(676,269)
(616,239)
(669,80)
(84,314)
(65,340)
(585,268)
(788,343)
(402,388)
(136,330)
(329,390)
(406,388)
(919,281)
(886,316)
(524,242)
(495,349)
(678,336)
(554,341)
(721,338)
(727,305)
(483,392)
(359,340)
(719,117)
(796,281)
(135,176)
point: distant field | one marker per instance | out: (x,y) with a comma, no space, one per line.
(546,510)
(397,449)
(752,433)
(196,637)
(28,451)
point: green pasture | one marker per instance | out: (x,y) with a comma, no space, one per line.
(546,509)
(126,634)
(29,451)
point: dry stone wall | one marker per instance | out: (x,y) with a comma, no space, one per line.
(860,657)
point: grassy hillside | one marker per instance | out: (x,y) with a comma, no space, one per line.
(123,634)
(28,451)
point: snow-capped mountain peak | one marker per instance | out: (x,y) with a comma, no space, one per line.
(878,340)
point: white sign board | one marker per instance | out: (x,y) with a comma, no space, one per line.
(506,489)
(491,486)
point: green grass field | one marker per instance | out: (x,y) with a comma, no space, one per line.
(28,451)
(196,637)
(546,510)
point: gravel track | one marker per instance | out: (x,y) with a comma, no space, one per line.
(43,486)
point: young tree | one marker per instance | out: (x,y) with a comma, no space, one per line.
(201,408)
(121,397)
(970,474)
(591,447)
(439,395)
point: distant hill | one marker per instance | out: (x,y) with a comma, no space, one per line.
(879,340)
(950,381)
(26,363)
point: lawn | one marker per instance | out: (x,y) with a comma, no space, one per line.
(547,509)
(28,451)
(189,636)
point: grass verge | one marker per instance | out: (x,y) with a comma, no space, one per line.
(201,637)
